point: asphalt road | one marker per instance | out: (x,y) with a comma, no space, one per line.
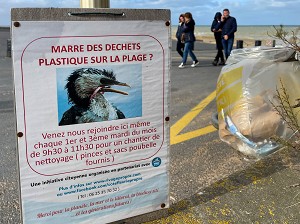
(9,197)
(209,181)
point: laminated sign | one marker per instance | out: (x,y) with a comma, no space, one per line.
(92,107)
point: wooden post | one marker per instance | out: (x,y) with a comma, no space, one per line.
(94,3)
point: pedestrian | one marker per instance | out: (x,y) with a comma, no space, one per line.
(180,44)
(229,27)
(218,38)
(188,37)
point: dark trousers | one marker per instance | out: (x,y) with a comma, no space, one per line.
(180,47)
(220,54)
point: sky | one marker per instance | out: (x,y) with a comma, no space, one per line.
(247,12)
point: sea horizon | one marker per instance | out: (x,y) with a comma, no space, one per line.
(248,33)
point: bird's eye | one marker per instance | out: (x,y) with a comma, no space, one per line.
(105,81)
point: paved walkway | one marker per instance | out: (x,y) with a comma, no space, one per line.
(262,192)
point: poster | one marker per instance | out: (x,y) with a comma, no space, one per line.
(91,107)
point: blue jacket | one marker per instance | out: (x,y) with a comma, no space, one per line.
(229,27)
(188,30)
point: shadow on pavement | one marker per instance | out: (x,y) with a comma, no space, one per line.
(255,172)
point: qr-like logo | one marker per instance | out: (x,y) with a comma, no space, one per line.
(156,162)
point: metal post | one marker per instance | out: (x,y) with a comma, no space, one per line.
(271,43)
(239,44)
(8,52)
(94,4)
(258,43)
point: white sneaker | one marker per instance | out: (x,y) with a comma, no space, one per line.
(181,65)
(195,63)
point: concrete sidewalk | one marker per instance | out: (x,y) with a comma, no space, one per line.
(244,191)
(268,191)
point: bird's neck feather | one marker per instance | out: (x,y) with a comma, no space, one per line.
(102,108)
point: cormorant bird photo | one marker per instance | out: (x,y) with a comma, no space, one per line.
(86,88)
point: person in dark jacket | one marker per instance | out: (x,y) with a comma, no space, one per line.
(180,44)
(218,38)
(229,27)
(189,39)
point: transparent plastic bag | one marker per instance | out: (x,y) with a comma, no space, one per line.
(246,93)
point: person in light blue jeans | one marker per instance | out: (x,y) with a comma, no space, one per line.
(228,26)
(189,39)
(227,46)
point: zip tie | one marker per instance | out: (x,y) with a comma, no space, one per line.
(95,13)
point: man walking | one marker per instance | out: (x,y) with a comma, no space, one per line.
(229,27)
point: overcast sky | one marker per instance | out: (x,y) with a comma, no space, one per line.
(247,12)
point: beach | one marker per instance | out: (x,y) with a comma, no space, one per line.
(248,34)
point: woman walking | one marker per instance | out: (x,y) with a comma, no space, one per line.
(180,45)
(189,40)
(218,38)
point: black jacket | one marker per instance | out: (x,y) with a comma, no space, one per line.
(229,27)
(179,31)
(214,25)
(188,30)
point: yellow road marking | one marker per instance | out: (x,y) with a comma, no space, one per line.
(175,137)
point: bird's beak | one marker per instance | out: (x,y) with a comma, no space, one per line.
(108,89)
(108,83)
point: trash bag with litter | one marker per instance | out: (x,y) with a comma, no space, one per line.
(246,95)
